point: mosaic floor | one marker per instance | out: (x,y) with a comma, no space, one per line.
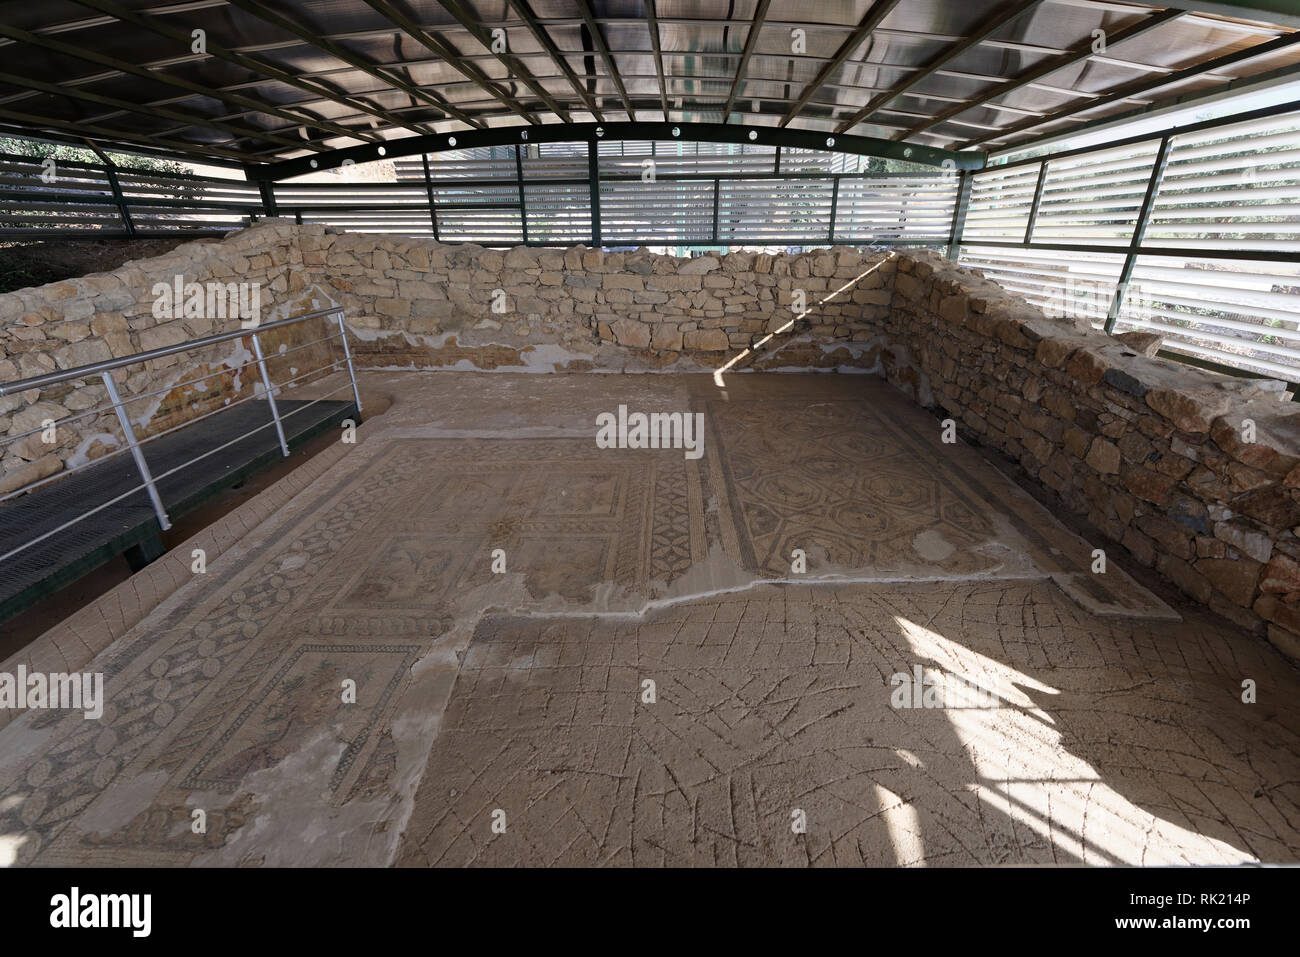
(435,653)
(1065,741)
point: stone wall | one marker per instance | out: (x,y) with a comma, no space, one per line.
(412,303)
(421,304)
(1156,455)
(108,315)
(1152,454)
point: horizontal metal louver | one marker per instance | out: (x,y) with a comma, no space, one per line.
(555,161)
(70,196)
(158,202)
(484,162)
(903,208)
(1244,314)
(478,214)
(559,214)
(1063,231)
(36,197)
(820,161)
(1000,203)
(772,210)
(1095,198)
(667,211)
(1080,285)
(409,169)
(1235,185)
(675,158)
(398,209)
(1215,267)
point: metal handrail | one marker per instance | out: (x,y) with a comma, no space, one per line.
(153,437)
(225,370)
(134,445)
(107,365)
(146,486)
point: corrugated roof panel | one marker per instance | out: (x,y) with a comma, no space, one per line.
(276,81)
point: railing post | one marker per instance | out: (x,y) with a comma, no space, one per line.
(136,453)
(347,353)
(270,394)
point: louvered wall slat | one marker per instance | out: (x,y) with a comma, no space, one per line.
(1228,188)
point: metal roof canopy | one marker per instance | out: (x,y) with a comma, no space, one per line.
(278,82)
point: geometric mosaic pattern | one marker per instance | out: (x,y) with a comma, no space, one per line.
(477,691)
(1092,744)
(245,668)
(836,475)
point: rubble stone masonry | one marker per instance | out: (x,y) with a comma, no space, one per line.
(1154,455)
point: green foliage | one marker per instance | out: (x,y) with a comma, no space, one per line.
(21,216)
(79,154)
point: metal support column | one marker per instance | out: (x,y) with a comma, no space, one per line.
(519,179)
(270,394)
(959,213)
(110,173)
(1038,198)
(593,183)
(267,189)
(141,465)
(121,201)
(1139,233)
(428,189)
(717,190)
(835,199)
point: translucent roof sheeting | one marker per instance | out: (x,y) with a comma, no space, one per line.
(253,82)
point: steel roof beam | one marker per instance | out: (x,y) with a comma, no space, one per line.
(260,67)
(1078,55)
(1173,105)
(543,38)
(253,103)
(273,155)
(653,19)
(508,59)
(598,38)
(1281,12)
(982,32)
(1142,86)
(751,41)
(60,139)
(449,55)
(81,130)
(611,132)
(267,15)
(185,119)
(146,72)
(879,10)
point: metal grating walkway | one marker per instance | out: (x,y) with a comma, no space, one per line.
(65,556)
